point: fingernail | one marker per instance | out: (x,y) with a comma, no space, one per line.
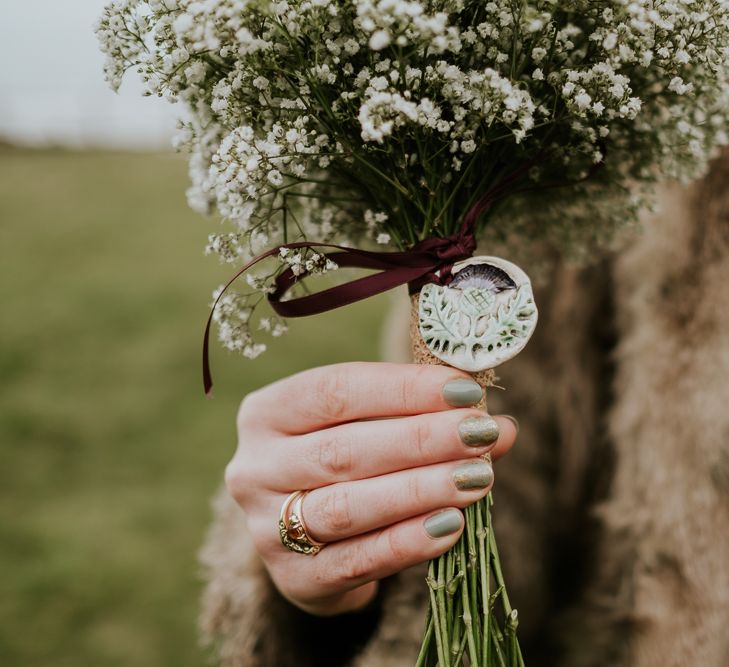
(473,475)
(478,431)
(444,523)
(462,393)
(514,421)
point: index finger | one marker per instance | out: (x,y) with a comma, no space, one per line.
(329,395)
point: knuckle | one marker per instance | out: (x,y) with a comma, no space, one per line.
(238,481)
(337,510)
(247,409)
(245,441)
(398,549)
(408,387)
(357,567)
(335,457)
(416,492)
(265,538)
(421,438)
(331,393)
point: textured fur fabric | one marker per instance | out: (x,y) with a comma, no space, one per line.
(612,512)
(661,593)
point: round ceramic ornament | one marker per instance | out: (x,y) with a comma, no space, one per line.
(484,317)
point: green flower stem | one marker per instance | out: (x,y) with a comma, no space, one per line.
(455,634)
(440,597)
(461,651)
(484,563)
(424,649)
(498,640)
(467,614)
(473,570)
(436,617)
(516,659)
(498,574)
(449,583)
(514,654)
(471,621)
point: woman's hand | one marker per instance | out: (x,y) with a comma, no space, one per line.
(388,452)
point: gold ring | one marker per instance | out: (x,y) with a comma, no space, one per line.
(292,528)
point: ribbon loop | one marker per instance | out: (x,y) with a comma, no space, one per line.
(428,261)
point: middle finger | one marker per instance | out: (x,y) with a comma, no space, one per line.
(366,449)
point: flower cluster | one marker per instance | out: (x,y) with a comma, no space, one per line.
(388,120)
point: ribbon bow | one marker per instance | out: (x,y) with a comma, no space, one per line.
(428,261)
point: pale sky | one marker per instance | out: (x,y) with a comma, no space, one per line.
(52,88)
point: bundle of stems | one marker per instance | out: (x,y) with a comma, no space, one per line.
(470,620)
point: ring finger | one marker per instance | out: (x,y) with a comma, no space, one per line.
(343,510)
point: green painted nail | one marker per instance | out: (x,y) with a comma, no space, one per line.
(473,475)
(478,431)
(462,393)
(444,523)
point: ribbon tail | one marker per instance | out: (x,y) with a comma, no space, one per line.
(207,375)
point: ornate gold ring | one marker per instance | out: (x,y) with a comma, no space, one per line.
(292,527)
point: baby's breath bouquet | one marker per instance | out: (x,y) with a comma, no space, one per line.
(392,122)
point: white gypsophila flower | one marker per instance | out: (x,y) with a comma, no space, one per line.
(226,246)
(341,121)
(382,112)
(259,283)
(379,40)
(306,261)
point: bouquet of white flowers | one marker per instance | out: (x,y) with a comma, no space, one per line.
(401,122)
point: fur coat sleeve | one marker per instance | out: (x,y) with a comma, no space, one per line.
(613,509)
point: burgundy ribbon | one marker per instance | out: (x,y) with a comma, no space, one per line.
(428,261)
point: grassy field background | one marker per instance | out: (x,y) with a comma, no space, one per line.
(108,451)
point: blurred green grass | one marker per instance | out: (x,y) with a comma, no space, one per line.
(108,451)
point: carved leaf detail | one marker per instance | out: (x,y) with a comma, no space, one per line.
(440,323)
(472,329)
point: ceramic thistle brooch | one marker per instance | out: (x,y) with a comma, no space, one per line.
(484,317)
